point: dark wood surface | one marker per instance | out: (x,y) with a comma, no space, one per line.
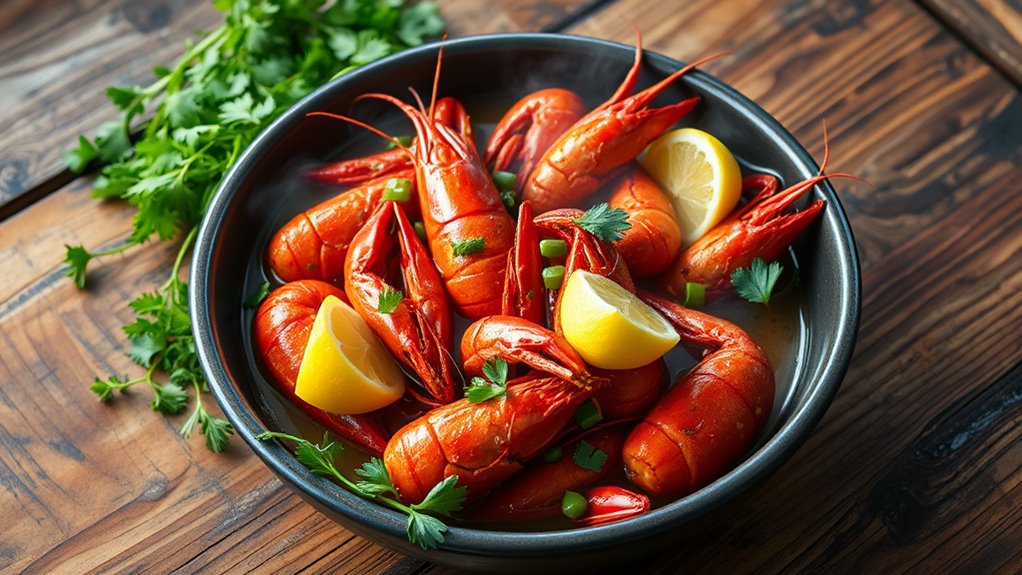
(992,27)
(915,468)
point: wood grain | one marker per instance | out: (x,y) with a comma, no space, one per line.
(916,468)
(993,27)
(57,59)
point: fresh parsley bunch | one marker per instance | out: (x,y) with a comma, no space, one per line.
(197,118)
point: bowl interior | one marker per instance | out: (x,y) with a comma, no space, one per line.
(263,191)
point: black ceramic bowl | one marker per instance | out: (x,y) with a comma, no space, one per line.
(262,192)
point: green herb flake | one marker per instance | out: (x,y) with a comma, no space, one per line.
(588,457)
(494,385)
(756,282)
(604,222)
(468,247)
(257,296)
(389,300)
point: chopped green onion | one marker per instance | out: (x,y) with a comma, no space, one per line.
(553,454)
(405,141)
(587,415)
(695,295)
(505,180)
(398,190)
(420,230)
(573,505)
(553,276)
(553,248)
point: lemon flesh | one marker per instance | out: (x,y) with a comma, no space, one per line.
(346,369)
(700,176)
(610,327)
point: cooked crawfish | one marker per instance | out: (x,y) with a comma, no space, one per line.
(281,330)
(523,284)
(521,341)
(482,443)
(654,239)
(314,244)
(461,207)
(418,331)
(529,128)
(592,150)
(712,414)
(537,490)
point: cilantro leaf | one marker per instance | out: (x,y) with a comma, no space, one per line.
(389,300)
(169,399)
(445,498)
(495,370)
(604,222)
(257,296)
(419,22)
(77,259)
(756,282)
(218,433)
(468,247)
(376,478)
(480,390)
(129,100)
(588,457)
(78,158)
(144,348)
(112,142)
(425,531)
(238,110)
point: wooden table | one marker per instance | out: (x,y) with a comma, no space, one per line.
(915,468)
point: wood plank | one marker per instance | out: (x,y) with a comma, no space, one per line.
(166,503)
(57,59)
(993,27)
(887,480)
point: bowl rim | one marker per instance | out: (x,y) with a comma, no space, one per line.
(771,455)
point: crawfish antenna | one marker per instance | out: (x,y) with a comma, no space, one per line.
(362,124)
(826,148)
(436,75)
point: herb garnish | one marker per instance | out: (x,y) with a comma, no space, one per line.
(588,457)
(468,247)
(756,282)
(257,296)
(423,530)
(604,222)
(479,389)
(389,299)
(205,110)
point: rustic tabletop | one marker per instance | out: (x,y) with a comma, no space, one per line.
(915,468)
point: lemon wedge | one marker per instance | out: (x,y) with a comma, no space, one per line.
(610,327)
(346,369)
(699,175)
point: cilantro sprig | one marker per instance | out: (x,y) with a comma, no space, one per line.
(389,299)
(604,222)
(189,126)
(756,282)
(423,529)
(495,384)
(589,457)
